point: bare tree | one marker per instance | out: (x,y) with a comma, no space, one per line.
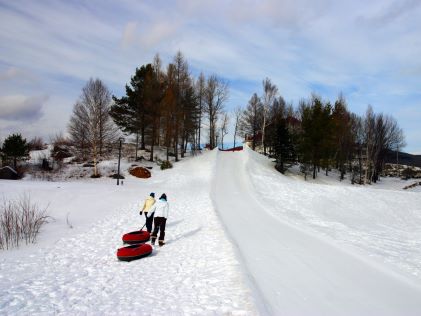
(238,111)
(224,127)
(36,143)
(216,94)
(369,131)
(269,95)
(78,130)
(398,139)
(200,93)
(182,80)
(251,119)
(90,126)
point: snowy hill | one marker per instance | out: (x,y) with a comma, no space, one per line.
(241,240)
(320,249)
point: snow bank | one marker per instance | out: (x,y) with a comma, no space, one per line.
(383,224)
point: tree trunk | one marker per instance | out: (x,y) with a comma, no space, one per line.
(367,165)
(95,161)
(360,165)
(137,145)
(152,142)
(263,133)
(182,143)
(142,142)
(200,123)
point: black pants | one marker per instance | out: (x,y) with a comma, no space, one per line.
(159,226)
(149,221)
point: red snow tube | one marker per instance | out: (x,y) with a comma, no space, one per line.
(134,252)
(136,237)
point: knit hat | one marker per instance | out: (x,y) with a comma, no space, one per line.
(163,197)
(152,194)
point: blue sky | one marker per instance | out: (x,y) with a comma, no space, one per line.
(368,50)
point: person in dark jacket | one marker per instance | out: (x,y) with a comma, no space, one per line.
(160,209)
(147,208)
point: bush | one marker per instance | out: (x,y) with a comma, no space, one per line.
(62,148)
(20,220)
(36,143)
(166,165)
(408,173)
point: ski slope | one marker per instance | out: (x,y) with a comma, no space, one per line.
(296,269)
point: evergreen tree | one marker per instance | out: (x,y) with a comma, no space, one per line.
(15,148)
(130,111)
(315,134)
(343,139)
(282,145)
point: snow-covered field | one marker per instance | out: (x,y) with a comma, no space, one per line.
(74,271)
(381,220)
(241,240)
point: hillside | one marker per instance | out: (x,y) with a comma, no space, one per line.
(241,240)
(404,159)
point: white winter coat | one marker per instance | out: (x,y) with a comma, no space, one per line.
(160,209)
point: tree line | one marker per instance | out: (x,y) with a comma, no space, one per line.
(170,108)
(161,107)
(319,135)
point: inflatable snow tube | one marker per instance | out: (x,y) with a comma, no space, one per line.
(136,237)
(134,252)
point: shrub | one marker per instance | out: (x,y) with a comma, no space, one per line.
(408,173)
(62,148)
(166,165)
(20,220)
(36,143)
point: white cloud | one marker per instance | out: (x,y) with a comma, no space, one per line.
(21,108)
(13,73)
(368,50)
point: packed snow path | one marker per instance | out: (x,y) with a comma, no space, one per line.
(294,271)
(196,273)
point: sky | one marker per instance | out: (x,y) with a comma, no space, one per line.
(367,50)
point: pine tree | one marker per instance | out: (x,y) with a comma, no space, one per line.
(130,111)
(15,148)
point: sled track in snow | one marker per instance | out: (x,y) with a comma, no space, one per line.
(294,271)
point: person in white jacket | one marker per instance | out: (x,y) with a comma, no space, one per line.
(160,211)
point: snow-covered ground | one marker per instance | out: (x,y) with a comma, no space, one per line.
(333,178)
(73,271)
(382,223)
(314,249)
(241,239)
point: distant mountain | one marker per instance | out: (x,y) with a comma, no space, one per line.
(404,159)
